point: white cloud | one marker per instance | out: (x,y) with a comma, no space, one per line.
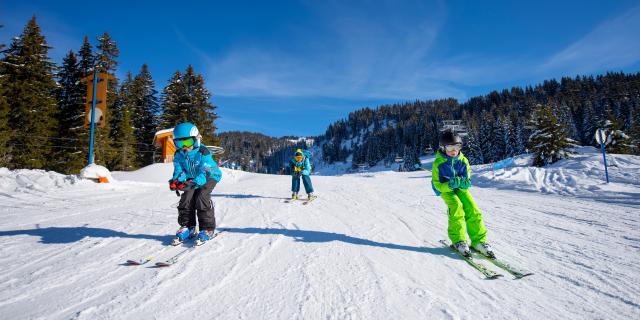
(374,53)
(613,44)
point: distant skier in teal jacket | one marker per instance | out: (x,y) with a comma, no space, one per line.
(301,168)
(196,174)
(451,180)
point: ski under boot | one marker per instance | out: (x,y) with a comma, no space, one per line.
(485,249)
(204,236)
(183,234)
(463,248)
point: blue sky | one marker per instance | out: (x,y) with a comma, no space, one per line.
(294,67)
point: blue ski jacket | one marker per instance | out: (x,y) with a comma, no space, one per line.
(445,168)
(302,167)
(197,165)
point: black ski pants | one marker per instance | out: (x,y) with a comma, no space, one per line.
(198,200)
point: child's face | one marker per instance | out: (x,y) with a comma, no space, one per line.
(452,153)
(452,150)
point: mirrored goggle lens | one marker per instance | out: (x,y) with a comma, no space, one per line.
(298,158)
(187,142)
(453,147)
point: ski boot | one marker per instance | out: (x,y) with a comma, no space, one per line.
(311,197)
(294,196)
(204,236)
(485,249)
(183,234)
(463,248)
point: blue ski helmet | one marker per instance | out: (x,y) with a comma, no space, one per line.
(184,131)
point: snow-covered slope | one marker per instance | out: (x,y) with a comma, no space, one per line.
(366,249)
(582,175)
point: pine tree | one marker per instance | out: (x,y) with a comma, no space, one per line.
(472,149)
(146,113)
(123,130)
(486,138)
(500,139)
(635,131)
(174,96)
(30,93)
(104,152)
(73,135)
(617,141)
(204,111)
(185,99)
(550,141)
(519,137)
(509,138)
(5,151)
(87,59)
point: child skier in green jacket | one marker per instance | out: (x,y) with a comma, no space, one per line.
(451,180)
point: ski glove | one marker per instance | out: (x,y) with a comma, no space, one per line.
(454,183)
(465,183)
(459,183)
(173,185)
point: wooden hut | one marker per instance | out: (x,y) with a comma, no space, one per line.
(164,139)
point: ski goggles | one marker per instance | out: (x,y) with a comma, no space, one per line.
(453,147)
(184,142)
(298,158)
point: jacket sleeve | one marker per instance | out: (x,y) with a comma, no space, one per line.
(178,171)
(466,162)
(209,168)
(441,187)
(307,167)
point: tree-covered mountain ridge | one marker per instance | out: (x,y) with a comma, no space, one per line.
(498,125)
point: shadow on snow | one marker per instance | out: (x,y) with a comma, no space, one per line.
(51,235)
(243,196)
(320,236)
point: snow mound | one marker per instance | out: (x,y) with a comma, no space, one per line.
(33,180)
(581,175)
(95,172)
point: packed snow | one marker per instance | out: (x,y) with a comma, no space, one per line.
(367,248)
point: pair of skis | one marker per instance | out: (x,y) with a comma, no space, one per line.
(488,273)
(305,202)
(172,259)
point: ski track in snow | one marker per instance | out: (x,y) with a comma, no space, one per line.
(367,248)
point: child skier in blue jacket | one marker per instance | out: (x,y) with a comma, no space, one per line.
(196,174)
(301,167)
(451,180)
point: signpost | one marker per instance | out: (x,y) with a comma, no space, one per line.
(601,138)
(96,105)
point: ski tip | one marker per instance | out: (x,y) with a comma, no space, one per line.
(162,264)
(133,263)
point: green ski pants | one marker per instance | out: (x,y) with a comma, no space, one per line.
(464,214)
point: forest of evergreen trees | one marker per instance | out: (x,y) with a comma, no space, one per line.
(42,107)
(256,152)
(499,124)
